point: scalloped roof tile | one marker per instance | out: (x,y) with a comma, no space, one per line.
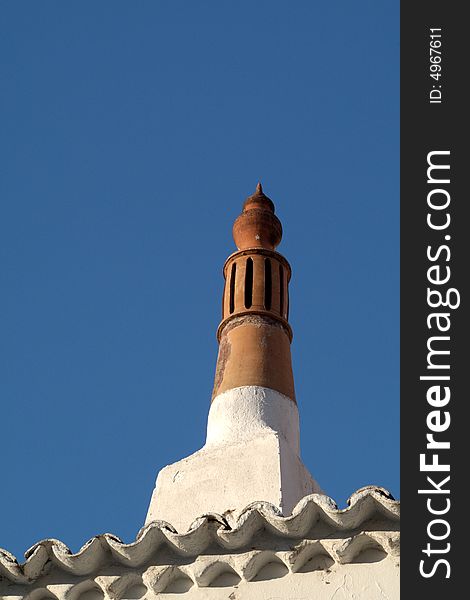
(309,515)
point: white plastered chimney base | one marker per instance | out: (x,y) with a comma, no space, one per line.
(251,454)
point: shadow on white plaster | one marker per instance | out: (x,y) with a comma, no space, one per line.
(41,594)
(226,579)
(87,590)
(179,585)
(319,562)
(135,592)
(371,554)
(275,569)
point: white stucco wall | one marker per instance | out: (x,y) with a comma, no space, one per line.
(248,411)
(363,581)
(251,454)
(375,577)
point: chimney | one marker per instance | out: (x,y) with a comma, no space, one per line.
(252,445)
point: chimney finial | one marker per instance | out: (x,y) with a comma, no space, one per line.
(257,226)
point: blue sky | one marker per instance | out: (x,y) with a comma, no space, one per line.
(131,133)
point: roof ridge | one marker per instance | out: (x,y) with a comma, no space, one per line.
(204,531)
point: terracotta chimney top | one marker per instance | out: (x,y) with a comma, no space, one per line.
(252,445)
(257,226)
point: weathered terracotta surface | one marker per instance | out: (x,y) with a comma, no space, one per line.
(254,334)
(254,350)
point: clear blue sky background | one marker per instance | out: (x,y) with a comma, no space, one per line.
(131,133)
